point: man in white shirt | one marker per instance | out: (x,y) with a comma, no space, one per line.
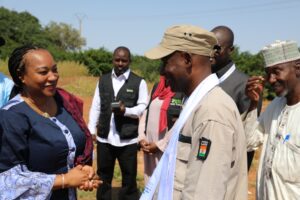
(5,83)
(120,99)
(278,128)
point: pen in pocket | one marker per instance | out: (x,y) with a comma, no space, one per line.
(286,138)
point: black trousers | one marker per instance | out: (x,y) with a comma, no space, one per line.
(250,156)
(127,158)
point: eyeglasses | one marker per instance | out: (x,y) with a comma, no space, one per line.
(217,47)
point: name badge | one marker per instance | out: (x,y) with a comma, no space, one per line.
(129,90)
(204,146)
(176,102)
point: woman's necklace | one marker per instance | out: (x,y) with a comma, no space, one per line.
(36,108)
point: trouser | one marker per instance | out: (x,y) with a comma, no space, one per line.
(250,156)
(127,158)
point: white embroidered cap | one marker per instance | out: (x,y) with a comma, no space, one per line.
(280,52)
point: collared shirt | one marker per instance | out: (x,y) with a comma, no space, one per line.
(234,85)
(133,112)
(223,70)
(5,88)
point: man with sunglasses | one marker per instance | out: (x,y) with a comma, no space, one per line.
(232,81)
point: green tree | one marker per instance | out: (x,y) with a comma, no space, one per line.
(248,63)
(148,69)
(98,61)
(18,29)
(253,65)
(64,36)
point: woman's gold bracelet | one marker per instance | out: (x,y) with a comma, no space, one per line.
(63,181)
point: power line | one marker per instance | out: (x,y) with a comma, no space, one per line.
(264,6)
(80,17)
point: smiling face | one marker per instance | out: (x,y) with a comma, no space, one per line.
(40,75)
(283,78)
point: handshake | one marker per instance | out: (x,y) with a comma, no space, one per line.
(81,177)
(148,147)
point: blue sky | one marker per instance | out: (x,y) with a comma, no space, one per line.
(140,24)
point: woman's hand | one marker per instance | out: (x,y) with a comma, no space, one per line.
(76,177)
(89,169)
(93,181)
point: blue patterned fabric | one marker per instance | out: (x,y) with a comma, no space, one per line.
(20,183)
(72,149)
(5,88)
(47,145)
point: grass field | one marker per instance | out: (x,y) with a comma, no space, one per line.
(75,79)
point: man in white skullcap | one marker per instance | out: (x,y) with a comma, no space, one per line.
(278,128)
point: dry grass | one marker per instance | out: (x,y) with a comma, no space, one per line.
(3,67)
(75,79)
(83,86)
(71,69)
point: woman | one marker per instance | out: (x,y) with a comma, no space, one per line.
(45,146)
(163,110)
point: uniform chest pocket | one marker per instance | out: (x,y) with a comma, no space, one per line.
(183,151)
(286,161)
(182,157)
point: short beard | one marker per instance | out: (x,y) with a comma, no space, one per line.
(283,94)
(119,72)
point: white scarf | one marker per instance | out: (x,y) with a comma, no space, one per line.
(163,176)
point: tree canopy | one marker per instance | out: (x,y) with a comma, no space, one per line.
(65,43)
(19,28)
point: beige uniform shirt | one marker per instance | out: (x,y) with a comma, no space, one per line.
(223,175)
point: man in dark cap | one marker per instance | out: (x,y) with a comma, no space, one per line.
(5,83)
(206,155)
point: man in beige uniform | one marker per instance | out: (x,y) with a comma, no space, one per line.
(211,158)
